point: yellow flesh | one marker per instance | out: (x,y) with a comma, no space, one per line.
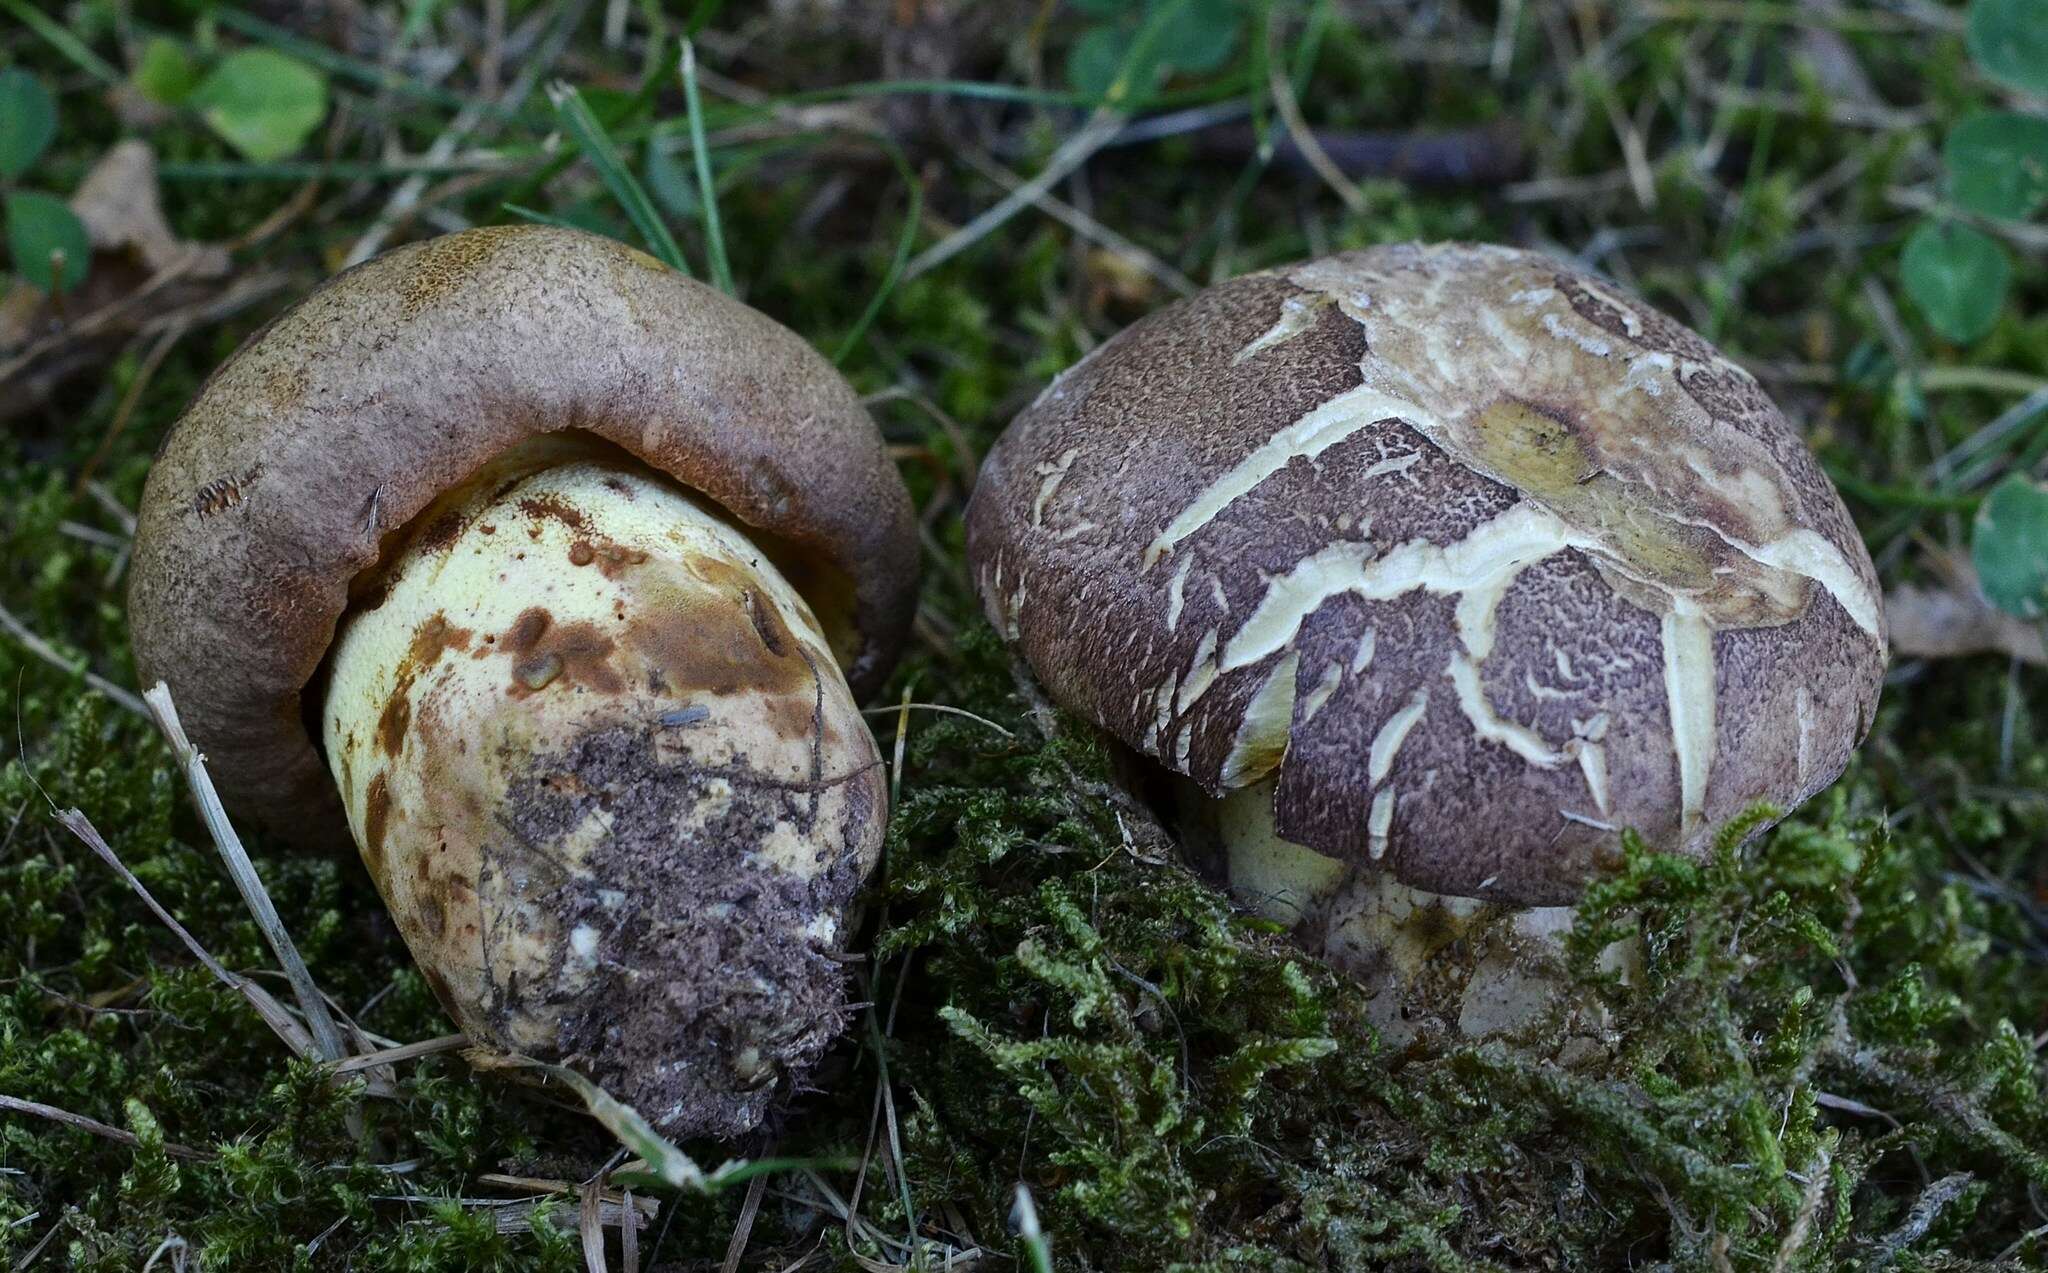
(577,599)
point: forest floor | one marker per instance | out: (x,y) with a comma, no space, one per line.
(1078,1051)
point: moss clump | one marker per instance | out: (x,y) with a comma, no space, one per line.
(1821,1045)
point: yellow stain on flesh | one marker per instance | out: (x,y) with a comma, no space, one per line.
(1262,735)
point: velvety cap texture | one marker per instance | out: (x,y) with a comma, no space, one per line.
(336,424)
(1479,558)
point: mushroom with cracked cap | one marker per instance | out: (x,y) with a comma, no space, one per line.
(1426,570)
(553,577)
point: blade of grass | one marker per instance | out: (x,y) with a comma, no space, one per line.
(913,216)
(661,1162)
(1882,496)
(636,130)
(538,217)
(564,18)
(1072,153)
(701,15)
(597,146)
(1220,89)
(1025,1215)
(707,188)
(339,170)
(63,41)
(341,65)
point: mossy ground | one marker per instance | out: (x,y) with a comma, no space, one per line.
(1834,1060)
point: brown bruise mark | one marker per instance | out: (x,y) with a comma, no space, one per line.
(827,590)
(550,506)
(613,560)
(768,624)
(433,909)
(391,722)
(444,905)
(440,532)
(526,629)
(545,653)
(721,643)
(795,717)
(434,638)
(376,818)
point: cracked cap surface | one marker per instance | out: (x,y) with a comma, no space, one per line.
(1479,557)
(340,421)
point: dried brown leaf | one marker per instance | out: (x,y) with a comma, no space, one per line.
(1950,617)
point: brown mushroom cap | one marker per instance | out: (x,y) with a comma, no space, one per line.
(336,424)
(1479,557)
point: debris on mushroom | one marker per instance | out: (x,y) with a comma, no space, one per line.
(551,577)
(1426,571)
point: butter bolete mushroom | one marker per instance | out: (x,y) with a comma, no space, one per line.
(552,576)
(1426,571)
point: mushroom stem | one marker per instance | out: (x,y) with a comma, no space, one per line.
(606,773)
(1435,964)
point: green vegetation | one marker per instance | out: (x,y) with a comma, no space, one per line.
(1837,1056)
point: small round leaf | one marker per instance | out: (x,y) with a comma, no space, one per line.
(262,102)
(28,120)
(165,73)
(1095,59)
(1998,164)
(1958,277)
(1201,36)
(2009,39)
(2009,547)
(47,241)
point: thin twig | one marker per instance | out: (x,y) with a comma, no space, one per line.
(407,196)
(1312,151)
(144,373)
(273,1013)
(403,1052)
(743,1230)
(936,707)
(1072,153)
(590,1226)
(49,1235)
(15,1105)
(91,324)
(1086,226)
(326,1035)
(55,658)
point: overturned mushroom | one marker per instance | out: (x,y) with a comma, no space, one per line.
(536,565)
(1427,570)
